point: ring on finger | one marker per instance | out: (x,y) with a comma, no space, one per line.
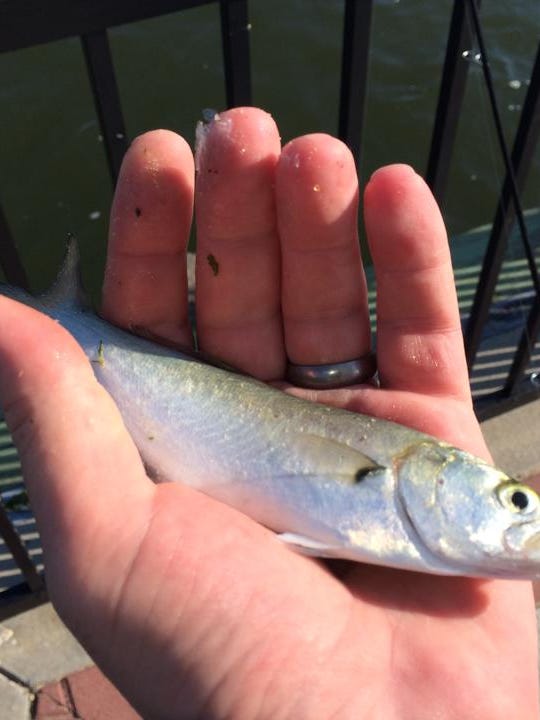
(333,375)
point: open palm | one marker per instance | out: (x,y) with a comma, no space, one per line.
(192,609)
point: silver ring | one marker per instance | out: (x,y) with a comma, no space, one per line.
(333,375)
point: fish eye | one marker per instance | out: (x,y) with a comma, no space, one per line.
(518,498)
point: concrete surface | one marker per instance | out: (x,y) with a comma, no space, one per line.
(37,648)
(514,440)
(15,700)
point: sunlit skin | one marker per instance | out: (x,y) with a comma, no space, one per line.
(192,609)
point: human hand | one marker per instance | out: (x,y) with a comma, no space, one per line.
(192,609)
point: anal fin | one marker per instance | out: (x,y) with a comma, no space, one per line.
(306,545)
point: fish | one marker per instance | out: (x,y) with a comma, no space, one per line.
(329,482)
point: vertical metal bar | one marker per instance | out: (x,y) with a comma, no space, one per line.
(529,253)
(235,31)
(527,136)
(354,70)
(451,94)
(106,97)
(524,348)
(16,547)
(9,257)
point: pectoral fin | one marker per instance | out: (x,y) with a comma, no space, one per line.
(323,456)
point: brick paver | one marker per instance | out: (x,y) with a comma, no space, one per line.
(53,702)
(86,695)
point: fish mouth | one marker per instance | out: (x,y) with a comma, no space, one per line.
(524,540)
(532,544)
(520,558)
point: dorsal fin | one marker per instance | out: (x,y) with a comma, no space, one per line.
(67,288)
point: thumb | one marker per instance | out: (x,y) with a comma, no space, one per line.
(86,482)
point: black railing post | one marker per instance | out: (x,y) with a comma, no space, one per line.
(106,98)
(529,253)
(20,554)
(452,90)
(354,73)
(9,257)
(527,136)
(524,349)
(526,139)
(235,32)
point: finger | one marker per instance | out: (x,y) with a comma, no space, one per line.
(324,299)
(146,279)
(419,339)
(238,302)
(78,460)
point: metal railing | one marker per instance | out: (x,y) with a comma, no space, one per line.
(24,23)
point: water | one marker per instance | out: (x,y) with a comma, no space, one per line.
(53,176)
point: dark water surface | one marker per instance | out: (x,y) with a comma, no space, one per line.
(53,176)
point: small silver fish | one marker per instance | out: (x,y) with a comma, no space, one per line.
(332,483)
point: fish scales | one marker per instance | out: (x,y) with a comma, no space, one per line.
(330,482)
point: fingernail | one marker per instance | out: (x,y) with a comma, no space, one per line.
(396,167)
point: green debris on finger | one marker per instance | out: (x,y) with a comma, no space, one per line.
(100,360)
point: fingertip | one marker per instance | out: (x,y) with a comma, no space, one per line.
(236,155)
(403,222)
(316,188)
(145,277)
(155,187)
(318,148)
(238,137)
(310,159)
(394,171)
(162,143)
(389,184)
(158,162)
(252,118)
